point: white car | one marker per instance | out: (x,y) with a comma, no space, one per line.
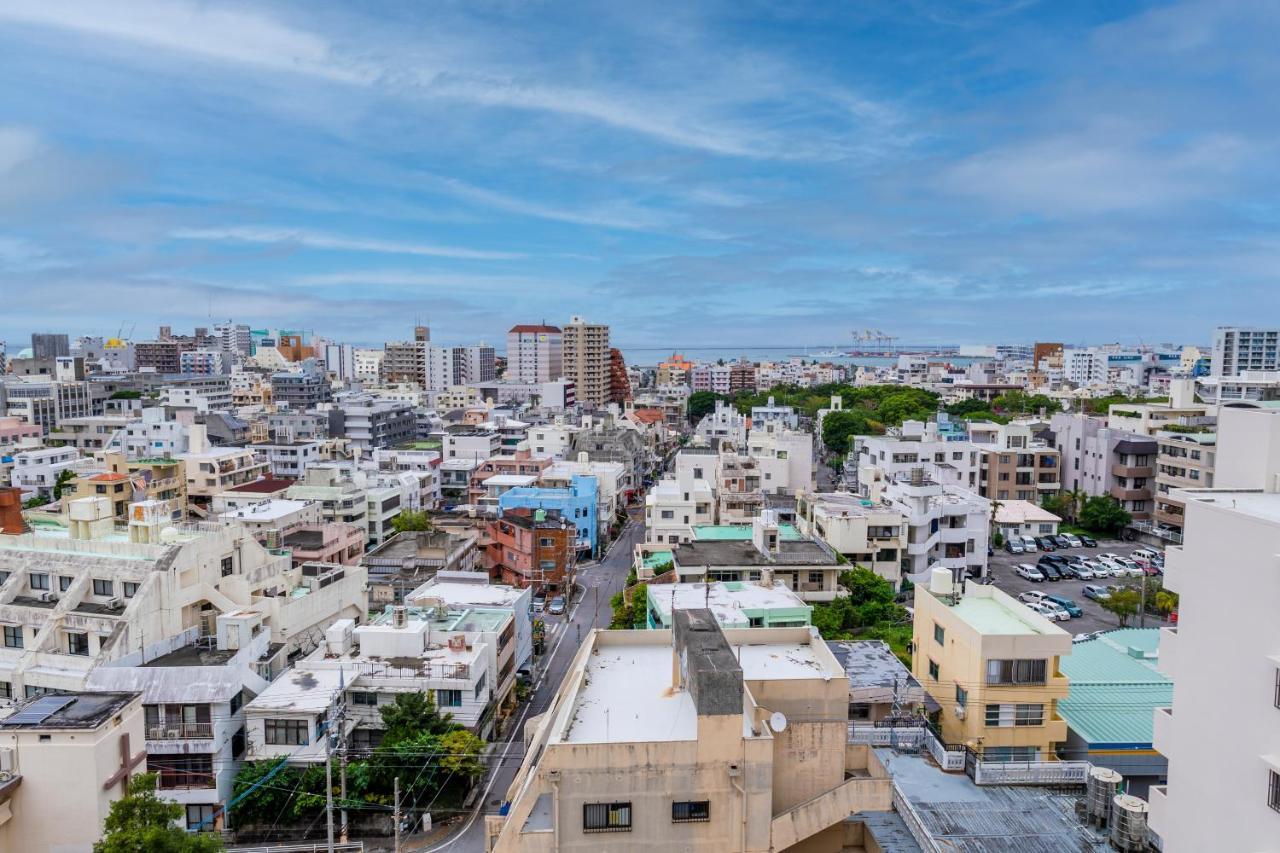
(1050,611)
(1029,544)
(1028,571)
(1115,569)
(1032,597)
(1086,570)
(1073,539)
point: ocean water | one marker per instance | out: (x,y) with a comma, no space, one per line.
(648,356)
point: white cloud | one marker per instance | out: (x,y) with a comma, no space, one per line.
(409,278)
(622,216)
(335,242)
(17,145)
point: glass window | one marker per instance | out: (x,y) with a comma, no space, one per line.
(364,698)
(1029,715)
(962,696)
(64,582)
(689,811)
(286,732)
(933,670)
(200,816)
(448,698)
(130,589)
(1016,671)
(1273,791)
(39,581)
(77,644)
(13,636)
(606,817)
(103,587)
(939,633)
(6,690)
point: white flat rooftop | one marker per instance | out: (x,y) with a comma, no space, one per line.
(627,697)
(301,690)
(510,480)
(1264,505)
(267,510)
(781,661)
(728,601)
(482,595)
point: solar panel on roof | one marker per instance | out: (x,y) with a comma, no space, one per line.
(40,710)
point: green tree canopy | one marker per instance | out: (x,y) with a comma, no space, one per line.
(1103,514)
(701,404)
(838,428)
(972,406)
(1124,603)
(1022,403)
(141,822)
(411,520)
(412,714)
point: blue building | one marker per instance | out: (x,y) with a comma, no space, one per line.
(577,503)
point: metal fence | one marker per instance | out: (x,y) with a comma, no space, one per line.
(914,824)
(1031,772)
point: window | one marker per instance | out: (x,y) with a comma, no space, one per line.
(6,690)
(480,685)
(200,816)
(1029,715)
(606,817)
(285,732)
(362,698)
(1016,671)
(688,812)
(237,702)
(448,698)
(668,514)
(939,633)
(815,578)
(39,581)
(962,696)
(859,710)
(182,771)
(101,587)
(13,636)
(1277,696)
(130,589)
(77,644)
(228,566)
(1273,791)
(64,582)
(933,670)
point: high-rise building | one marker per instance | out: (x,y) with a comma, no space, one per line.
(48,345)
(535,353)
(470,364)
(431,367)
(233,338)
(1237,349)
(587,361)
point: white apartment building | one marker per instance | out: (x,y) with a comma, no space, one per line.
(340,495)
(103,432)
(771,412)
(725,423)
(866,533)
(77,597)
(551,440)
(785,457)
(193,694)
(941,447)
(289,459)
(1239,348)
(477,444)
(152,436)
(1223,792)
(368,365)
(673,507)
(947,526)
(36,471)
(1085,367)
(213,395)
(535,353)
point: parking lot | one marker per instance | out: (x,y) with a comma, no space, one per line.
(1002,565)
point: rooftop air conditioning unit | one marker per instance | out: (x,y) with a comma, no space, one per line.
(156,732)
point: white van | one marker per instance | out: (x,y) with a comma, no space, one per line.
(1029,544)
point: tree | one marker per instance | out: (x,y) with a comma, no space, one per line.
(65,476)
(839,427)
(411,520)
(413,714)
(1022,403)
(1104,514)
(1166,602)
(140,821)
(1124,603)
(971,406)
(701,404)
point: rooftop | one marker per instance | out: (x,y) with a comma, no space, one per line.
(192,655)
(463,593)
(1022,512)
(732,603)
(267,486)
(67,711)
(267,510)
(1262,505)
(871,663)
(744,553)
(738,532)
(627,697)
(1115,687)
(781,662)
(302,690)
(992,616)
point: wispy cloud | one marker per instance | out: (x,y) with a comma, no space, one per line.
(620,215)
(271,235)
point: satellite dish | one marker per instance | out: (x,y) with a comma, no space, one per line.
(778,721)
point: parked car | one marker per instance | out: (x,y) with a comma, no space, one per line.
(1051,571)
(1086,570)
(539,602)
(1097,593)
(1131,568)
(1066,604)
(1013,545)
(1050,611)
(1084,638)
(1152,569)
(1046,543)
(1028,571)
(1088,541)
(1031,596)
(1076,571)
(1029,544)
(1073,541)
(556,606)
(1061,541)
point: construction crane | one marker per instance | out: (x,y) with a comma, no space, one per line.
(879,338)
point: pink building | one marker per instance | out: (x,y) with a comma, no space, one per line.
(335,542)
(14,430)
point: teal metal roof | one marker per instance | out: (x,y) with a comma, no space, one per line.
(1115,688)
(657,558)
(735,532)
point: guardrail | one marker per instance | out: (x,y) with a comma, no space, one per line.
(1031,772)
(914,824)
(904,737)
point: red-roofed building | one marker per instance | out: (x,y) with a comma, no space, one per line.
(535,353)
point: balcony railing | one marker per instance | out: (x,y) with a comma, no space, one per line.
(180,731)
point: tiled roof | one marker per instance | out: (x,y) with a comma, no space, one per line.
(108,477)
(531,328)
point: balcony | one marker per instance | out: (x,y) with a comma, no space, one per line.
(1121,493)
(1162,732)
(181,731)
(1168,650)
(1119,470)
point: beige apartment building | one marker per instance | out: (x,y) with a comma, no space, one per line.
(64,759)
(992,664)
(212,470)
(1184,460)
(865,532)
(694,739)
(586,360)
(1017,466)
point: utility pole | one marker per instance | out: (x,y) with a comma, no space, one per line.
(328,781)
(396,800)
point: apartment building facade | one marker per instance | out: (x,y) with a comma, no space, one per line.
(1098,460)
(535,353)
(870,534)
(535,549)
(1238,348)
(586,361)
(1184,460)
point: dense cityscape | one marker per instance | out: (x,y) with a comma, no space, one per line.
(684,426)
(440,597)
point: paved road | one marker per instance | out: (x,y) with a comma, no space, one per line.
(1094,618)
(599,582)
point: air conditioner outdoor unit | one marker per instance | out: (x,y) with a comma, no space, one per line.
(959,712)
(47,596)
(6,759)
(157,732)
(173,733)
(114,603)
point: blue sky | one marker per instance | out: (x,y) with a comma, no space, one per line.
(746,172)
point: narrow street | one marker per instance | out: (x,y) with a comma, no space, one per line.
(599,581)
